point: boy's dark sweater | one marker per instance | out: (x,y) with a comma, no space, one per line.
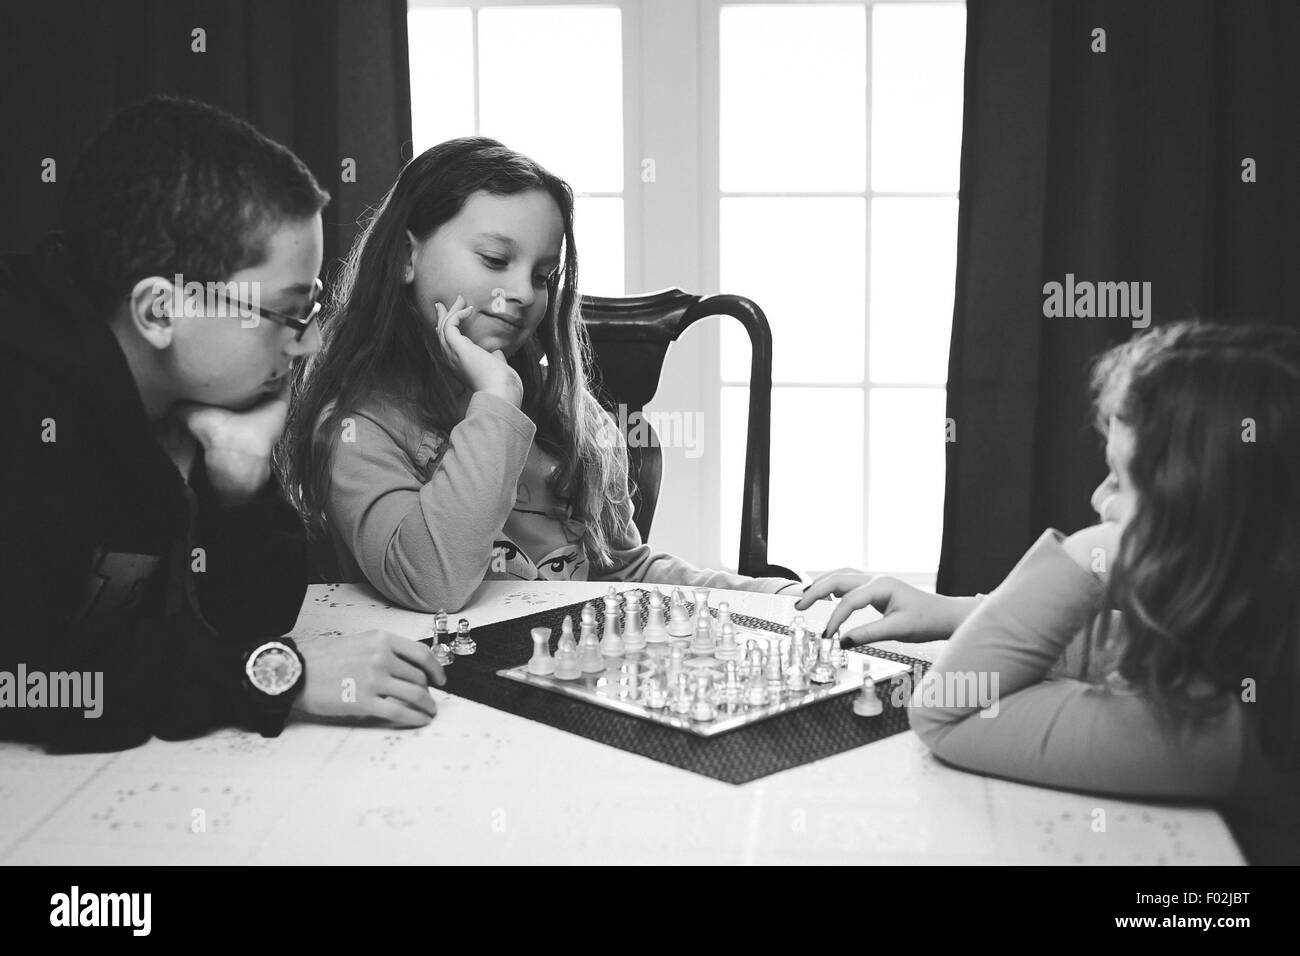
(99,531)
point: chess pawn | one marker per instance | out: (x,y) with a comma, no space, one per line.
(541,663)
(702,645)
(634,638)
(589,656)
(724,614)
(676,661)
(867,703)
(441,649)
(681,703)
(702,612)
(679,624)
(823,671)
(656,631)
(656,697)
(701,709)
(727,649)
(731,692)
(463,644)
(611,644)
(566,654)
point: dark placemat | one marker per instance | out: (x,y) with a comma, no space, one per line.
(778,743)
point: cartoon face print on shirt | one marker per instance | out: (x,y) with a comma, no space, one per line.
(563,564)
(541,540)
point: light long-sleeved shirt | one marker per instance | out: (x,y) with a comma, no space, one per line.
(426,517)
(1057,723)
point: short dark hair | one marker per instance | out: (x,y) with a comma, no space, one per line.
(177,186)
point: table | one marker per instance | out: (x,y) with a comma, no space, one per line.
(482,786)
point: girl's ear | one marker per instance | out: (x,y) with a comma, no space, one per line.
(408,275)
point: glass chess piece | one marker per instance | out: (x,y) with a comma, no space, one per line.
(441,649)
(634,638)
(463,644)
(541,663)
(868,703)
(823,671)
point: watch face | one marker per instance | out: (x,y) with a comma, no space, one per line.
(273,669)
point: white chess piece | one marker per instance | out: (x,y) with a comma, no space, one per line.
(541,663)
(611,643)
(633,637)
(656,631)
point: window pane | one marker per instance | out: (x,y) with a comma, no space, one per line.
(918,52)
(913,270)
(802,261)
(793,98)
(905,511)
(598,225)
(441,51)
(815,512)
(551,86)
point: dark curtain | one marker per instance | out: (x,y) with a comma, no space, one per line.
(1123,165)
(327,78)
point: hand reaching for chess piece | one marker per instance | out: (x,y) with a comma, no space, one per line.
(909,614)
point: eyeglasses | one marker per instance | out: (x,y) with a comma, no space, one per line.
(299,323)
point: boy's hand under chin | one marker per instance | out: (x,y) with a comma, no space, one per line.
(237,446)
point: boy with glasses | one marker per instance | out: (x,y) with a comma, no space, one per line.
(146,538)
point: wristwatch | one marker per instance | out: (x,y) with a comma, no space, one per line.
(273,671)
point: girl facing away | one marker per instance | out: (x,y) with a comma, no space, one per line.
(445,433)
(1156,654)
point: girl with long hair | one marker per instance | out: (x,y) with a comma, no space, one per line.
(1156,654)
(446,433)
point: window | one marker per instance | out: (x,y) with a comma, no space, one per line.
(804,154)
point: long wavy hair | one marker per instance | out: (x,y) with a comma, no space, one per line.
(377,348)
(1208,574)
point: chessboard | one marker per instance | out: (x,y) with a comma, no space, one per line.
(696,668)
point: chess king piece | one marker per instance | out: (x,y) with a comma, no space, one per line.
(589,656)
(463,644)
(867,703)
(611,643)
(702,644)
(541,663)
(656,630)
(823,671)
(566,654)
(701,709)
(441,649)
(634,638)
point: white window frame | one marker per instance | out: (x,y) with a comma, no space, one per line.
(671,48)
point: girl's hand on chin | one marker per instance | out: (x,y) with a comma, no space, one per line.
(479,369)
